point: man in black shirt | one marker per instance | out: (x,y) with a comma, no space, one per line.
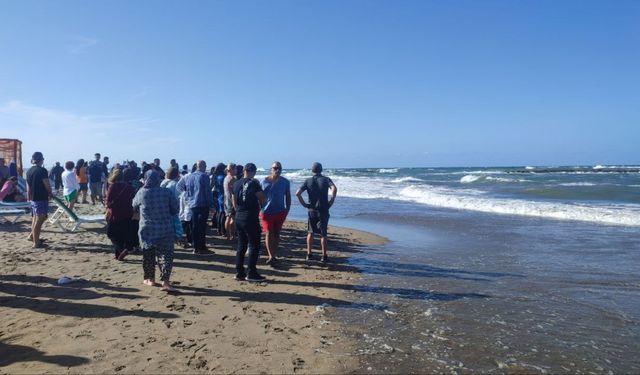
(39,192)
(247,199)
(317,188)
(56,173)
(96,178)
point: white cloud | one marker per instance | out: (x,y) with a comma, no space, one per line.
(63,135)
(80,44)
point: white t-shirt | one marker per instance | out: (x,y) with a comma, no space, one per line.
(70,182)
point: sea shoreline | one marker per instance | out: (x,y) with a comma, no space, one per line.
(111,323)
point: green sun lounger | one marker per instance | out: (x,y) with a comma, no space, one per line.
(68,220)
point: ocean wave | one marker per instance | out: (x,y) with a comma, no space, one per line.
(468,179)
(617,215)
(616,167)
(298,174)
(388,170)
(477,172)
(471,178)
(578,184)
(406,179)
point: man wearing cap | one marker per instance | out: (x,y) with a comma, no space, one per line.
(39,192)
(317,188)
(247,199)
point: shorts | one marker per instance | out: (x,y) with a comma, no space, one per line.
(272,222)
(71,197)
(39,208)
(318,222)
(96,188)
(83,186)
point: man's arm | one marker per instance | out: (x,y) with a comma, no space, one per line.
(47,186)
(262,199)
(334,192)
(302,202)
(288,199)
(234,203)
(181,186)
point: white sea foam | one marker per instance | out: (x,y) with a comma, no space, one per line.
(529,168)
(382,187)
(578,184)
(616,167)
(406,179)
(388,170)
(619,215)
(471,178)
(298,174)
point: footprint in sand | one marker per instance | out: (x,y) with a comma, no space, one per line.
(298,364)
(176,306)
(194,310)
(99,355)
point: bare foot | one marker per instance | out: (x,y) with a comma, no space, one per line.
(149,282)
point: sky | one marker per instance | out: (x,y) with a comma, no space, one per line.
(349,83)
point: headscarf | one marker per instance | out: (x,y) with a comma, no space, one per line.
(151,179)
(116,176)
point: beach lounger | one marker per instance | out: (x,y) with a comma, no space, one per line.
(67,220)
(14,209)
(15,205)
(5,213)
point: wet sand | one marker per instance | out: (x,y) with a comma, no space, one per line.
(112,323)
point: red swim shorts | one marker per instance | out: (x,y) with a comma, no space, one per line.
(272,222)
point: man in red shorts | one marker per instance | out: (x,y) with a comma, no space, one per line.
(273,214)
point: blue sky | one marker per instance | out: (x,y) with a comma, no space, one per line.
(349,83)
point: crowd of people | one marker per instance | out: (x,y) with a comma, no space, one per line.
(151,209)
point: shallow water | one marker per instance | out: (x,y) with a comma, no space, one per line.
(462,291)
(526,270)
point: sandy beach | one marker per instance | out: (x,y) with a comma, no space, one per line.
(110,322)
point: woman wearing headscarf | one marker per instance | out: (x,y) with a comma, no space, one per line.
(157,207)
(119,213)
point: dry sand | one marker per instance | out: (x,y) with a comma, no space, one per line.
(112,323)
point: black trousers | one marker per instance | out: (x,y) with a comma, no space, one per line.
(248,233)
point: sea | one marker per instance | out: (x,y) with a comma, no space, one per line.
(526,269)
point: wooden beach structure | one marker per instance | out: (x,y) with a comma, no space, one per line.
(11,150)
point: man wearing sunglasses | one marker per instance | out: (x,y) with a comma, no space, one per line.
(273,214)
